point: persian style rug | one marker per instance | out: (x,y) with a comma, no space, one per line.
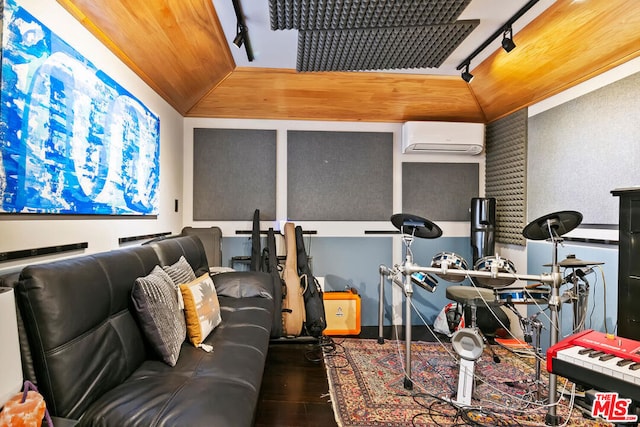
(366,385)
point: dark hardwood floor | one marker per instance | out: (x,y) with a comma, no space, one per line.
(294,388)
(295,391)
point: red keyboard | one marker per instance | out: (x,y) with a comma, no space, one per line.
(603,361)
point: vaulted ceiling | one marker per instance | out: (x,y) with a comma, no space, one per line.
(179,48)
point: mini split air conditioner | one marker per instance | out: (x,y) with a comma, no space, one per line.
(442,137)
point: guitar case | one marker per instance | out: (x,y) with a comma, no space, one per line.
(255,242)
(271,267)
(293,314)
(315,321)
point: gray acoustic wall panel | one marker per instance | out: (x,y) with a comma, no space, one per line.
(234,173)
(339,176)
(340,14)
(583,149)
(439,191)
(506,174)
(380,48)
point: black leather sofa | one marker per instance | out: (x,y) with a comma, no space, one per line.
(82,345)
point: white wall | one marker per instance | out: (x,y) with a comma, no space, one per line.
(517,254)
(19,232)
(324,228)
(522,255)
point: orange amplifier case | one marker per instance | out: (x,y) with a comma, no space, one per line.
(342,312)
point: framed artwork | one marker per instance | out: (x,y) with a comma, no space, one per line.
(72,140)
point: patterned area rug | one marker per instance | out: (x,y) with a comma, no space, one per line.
(366,384)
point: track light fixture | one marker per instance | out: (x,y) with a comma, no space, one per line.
(242,36)
(239,38)
(507,40)
(466,75)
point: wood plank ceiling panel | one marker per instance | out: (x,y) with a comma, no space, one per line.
(569,43)
(176,46)
(341,96)
(179,49)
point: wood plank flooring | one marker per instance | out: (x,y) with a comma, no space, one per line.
(295,391)
(294,388)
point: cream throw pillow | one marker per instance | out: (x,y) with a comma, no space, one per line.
(201,309)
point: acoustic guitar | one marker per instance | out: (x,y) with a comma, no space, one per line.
(293,312)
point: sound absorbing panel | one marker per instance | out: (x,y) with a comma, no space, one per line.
(341,35)
(439,191)
(380,48)
(583,149)
(334,14)
(234,173)
(506,174)
(339,176)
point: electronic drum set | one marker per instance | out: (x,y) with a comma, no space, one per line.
(490,274)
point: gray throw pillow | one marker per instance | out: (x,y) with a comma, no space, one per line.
(155,301)
(180,272)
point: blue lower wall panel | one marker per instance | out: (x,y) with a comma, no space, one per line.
(344,262)
(347,262)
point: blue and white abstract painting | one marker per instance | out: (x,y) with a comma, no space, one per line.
(72,140)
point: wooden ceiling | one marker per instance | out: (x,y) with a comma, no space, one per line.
(179,49)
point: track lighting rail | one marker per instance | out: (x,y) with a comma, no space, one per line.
(242,36)
(505,28)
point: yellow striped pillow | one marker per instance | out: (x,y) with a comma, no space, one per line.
(201,309)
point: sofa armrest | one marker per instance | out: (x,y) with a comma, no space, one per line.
(241,284)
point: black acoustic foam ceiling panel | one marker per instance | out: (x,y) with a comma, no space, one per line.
(341,14)
(380,48)
(341,35)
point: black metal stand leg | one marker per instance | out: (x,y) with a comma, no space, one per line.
(408,382)
(383,272)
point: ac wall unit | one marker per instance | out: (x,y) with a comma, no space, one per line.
(442,137)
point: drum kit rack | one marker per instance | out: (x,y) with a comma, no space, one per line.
(489,272)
